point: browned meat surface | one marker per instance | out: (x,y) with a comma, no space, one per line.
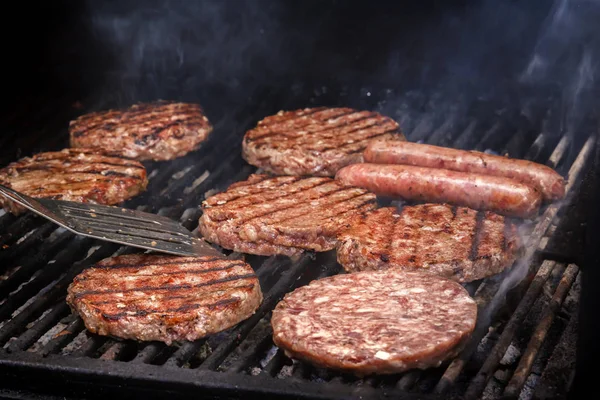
(454,242)
(375,322)
(315,141)
(164,298)
(81,175)
(544,178)
(282,215)
(481,192)
(160,130)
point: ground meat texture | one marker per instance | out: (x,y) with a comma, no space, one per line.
(164,298)
(82,175)
(285,215)
(161,130)
(315,141)
(455,242)
(375,322)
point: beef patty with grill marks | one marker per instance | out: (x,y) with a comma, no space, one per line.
(282,215)
(161,130)
(380,322)
(315,141)
(81,175)
(455,242)
(164,298)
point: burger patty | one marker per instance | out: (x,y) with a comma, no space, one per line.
(380,322)
(282,215)
(161,130)
(315,141)
(455,242)
(81,175)
(164,298)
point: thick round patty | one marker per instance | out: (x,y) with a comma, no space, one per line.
(380,322)
(81,175)
(315,141)
(286,215)
(164,298)
(455,242)
(161,130)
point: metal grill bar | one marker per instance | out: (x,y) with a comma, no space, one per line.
(35,332)
(458,364)
(176,190)
(518,380)
(62,339)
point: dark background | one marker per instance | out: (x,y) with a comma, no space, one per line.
(89,47)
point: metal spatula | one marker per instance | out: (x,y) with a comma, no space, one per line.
(118,225)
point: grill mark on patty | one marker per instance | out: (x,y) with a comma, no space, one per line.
(393,232)
(339,127)
(339,131)
(476,236)
(363,142)
(509,232)
(105,172)
(140,265)
(327,132)
(260,200)
(72,179)
(291,125)
(155,133)
(150,121)
(149,113)
(168,288)
(137,109)
(263,178)
(266,190)
(291,206)
(456,242)
(94,159)
(330,205)
(181,309)
(193,295)
(192,271)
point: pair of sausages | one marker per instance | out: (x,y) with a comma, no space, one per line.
(421,172)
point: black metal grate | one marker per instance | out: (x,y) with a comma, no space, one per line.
(519,347)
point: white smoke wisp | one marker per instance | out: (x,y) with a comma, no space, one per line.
(510,279)
(561,28)
(171,47)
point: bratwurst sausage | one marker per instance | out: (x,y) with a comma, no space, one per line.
(483,192)
(545,179)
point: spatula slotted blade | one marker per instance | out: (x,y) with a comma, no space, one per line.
(116,224)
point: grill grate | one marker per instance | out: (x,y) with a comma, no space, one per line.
(519,346)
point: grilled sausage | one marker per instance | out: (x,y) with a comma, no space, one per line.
(545,179)
(494,193)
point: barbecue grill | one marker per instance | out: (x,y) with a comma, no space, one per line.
(524,345)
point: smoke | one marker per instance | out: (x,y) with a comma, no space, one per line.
(160,48)
(565,56)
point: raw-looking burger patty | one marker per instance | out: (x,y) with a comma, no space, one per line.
(282,215)
(375,322)
(315,141)
(164,298)
(544,178)
(455,242)
(81,175)
(160,130)
(482,192)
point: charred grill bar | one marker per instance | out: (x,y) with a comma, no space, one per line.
(519,347)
